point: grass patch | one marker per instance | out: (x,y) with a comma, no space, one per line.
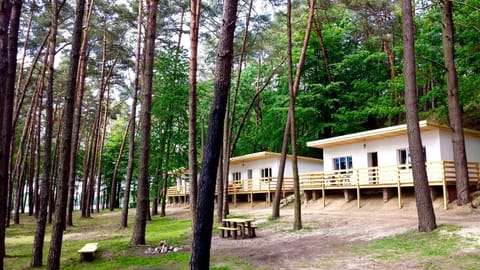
(439,249)
(113,252)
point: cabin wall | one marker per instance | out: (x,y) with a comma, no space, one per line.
(256,167)
(386,149)
(472,146)
(304,166)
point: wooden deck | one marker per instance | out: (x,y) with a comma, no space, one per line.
(249,187)
(439,174)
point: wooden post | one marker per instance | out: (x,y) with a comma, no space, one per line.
(323,194)
(268,192)
(444,186)
(234,194)
(399,188)
(358,195)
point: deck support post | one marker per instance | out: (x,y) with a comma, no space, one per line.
(358,195)
(387,193)
(323,194)
(399,188)
(348,194)
(445,194)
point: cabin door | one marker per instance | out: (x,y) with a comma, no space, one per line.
(373,167)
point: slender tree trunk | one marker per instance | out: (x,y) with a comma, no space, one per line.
(86,173)
(113,190)
(426,215)
(77,118)
(7,95)
(131,146)
(37,165)
(290,124)
(39,240)
(202,235)
(229,123)
(66,143)
(138,237)
(454,108)
(192,108)
(318,27)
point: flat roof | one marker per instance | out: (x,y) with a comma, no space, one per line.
(381,133)
(267,155)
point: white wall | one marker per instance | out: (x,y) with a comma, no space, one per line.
(256,166)
(386,149)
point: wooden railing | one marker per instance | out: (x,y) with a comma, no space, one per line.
(244,186)
(439,173)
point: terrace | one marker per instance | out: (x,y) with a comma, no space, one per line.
(441,174)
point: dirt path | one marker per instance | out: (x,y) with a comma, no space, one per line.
(330,232)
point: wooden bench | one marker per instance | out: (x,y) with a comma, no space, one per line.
(252,228)
(228,230)
(87,252)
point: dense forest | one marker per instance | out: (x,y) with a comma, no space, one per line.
(352,80)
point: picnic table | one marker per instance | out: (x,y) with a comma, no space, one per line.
(232,225)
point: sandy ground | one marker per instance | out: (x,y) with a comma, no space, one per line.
(329,232)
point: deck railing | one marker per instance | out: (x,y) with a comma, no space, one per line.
(243,186)
(438,173)
(441,173)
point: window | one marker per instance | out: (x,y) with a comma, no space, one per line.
(266,174)
(403,156)
(236,176)
(342,163)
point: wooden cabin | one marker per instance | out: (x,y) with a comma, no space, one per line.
(380,158)
(254,176)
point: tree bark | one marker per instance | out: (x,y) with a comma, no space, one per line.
(113,186)
(131,146)
(66,143)
(138,237)
(426,215)
(200,257)
(192,108)
(454,108)
(77,119)
(5,120)
(38,243)
(290,125)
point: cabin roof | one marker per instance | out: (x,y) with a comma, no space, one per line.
(266,155)
(380,134)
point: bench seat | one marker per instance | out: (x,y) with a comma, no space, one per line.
(228,230)
(87,252)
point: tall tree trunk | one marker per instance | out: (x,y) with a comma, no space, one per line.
(192,109)
(66,143)
(37,164)
(39,240)
(138,237)
(86,173)
(318,27)
(77,118)
(229,122)
(454,108)
(290,125)
(7,95)
(202,235)
(113,190)
(426,215)
(131,146)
